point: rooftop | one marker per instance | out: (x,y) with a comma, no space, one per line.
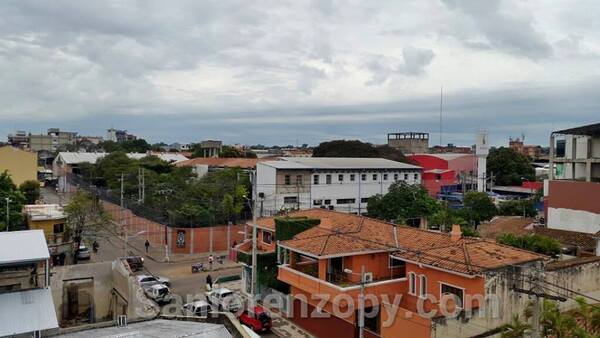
(26,311)
(222,162)
(158,328)
(444,156)
(590,130)
(81,157)
(337,163)
(341,234)
(39,212)
(506,224)
(573,238)
(23,246)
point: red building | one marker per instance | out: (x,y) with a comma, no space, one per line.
(446,170)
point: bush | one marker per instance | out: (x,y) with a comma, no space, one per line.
(288,227)
(536,243)
(517,208)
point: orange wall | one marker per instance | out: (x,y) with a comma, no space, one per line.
(377,263)
(266,246)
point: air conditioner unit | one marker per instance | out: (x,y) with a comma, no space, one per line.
(368,277)
(122,320)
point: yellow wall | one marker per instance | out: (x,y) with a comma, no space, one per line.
(21,165)
(46,225)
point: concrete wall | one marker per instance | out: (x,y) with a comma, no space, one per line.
(20,164)
(573,205)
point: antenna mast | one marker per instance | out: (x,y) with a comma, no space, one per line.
(441,103)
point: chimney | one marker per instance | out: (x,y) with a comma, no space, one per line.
(456,233)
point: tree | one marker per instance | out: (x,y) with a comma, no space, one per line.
(524,208)
(509,167)
(31,191)
(478,206)
(402,203)
(356,148)
(9,190)
(537,243)
(445,217)
(515,329)
(85,217)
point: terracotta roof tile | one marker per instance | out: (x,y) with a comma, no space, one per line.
(579,239)
(505,224)
(224,162)
(344,234)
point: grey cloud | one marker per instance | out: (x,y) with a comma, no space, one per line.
(414,61)
(503,31)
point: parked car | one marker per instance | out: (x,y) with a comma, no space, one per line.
(83,253)
(159,293)
(147,280)
(224,299)
(197,308)
(258,321)
(135,262)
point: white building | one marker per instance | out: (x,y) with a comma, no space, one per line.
(341,184)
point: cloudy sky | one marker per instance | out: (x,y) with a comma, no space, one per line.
(276,72)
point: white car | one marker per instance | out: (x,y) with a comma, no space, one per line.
(147,280)
(83,252)
(159,293)
(224,299)
(197,308)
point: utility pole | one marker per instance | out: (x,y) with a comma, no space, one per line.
(253,285)
(441,102)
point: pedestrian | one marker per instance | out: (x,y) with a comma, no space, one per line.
(147,245)
(210,261)
(209,282)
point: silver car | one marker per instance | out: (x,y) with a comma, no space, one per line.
(83,253)
(147,280)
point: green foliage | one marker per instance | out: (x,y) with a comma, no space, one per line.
(478,206)
(288,227)
(469,231)
(9,190)
(517,208)
(31,191)
(402,202)
(509,167)
(226,151)
(537,243)
(133,146)
(356,148)
(515,329)
(85,216)
(444,218)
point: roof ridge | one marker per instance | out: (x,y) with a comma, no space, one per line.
(467,256)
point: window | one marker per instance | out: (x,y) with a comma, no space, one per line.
(290,199)
(385,177)
(374,177)
(267,237)
(452,290)
(352,177)
(395,263)
(316,179)
(406,177)
(412,283)
(298,179)
(328,179)
(345,201)
(327,202)
(59,228)
(438,177)
(372,319)
(363,177)
(341,177)
(395,177)
(317,202)
(364,200)
(416,177)
(288,180)
(423,284)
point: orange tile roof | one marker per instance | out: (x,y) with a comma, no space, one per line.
(505,224)
(228,162)
(347,234)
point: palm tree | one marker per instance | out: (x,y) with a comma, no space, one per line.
(589,314)
(555,323)
(515,329)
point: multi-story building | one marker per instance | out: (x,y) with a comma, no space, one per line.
(409,277)
(409,142)
(51,219)
(447,172)
(573,189)
(531,151)
(119,136)
(210,148)
(52,140)
(19,139)
(342,184)
(20,164)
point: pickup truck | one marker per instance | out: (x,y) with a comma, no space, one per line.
(224,299)
(159,293)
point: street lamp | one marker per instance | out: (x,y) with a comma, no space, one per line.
(361,300)
(8,200)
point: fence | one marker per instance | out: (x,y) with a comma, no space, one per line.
(137,219)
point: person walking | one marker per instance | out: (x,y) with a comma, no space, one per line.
(209,282)
(210,261)
(147,245)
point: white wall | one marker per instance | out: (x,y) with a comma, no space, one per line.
(573,220)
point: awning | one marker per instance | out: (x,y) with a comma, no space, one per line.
(26,311)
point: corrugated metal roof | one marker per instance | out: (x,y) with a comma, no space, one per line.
(23,246)
(80,157)
(26,311)
(447,157)
(158,328)
(337,163)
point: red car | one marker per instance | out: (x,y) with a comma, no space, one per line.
(258,321)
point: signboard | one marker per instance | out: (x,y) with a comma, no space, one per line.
(180,239)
